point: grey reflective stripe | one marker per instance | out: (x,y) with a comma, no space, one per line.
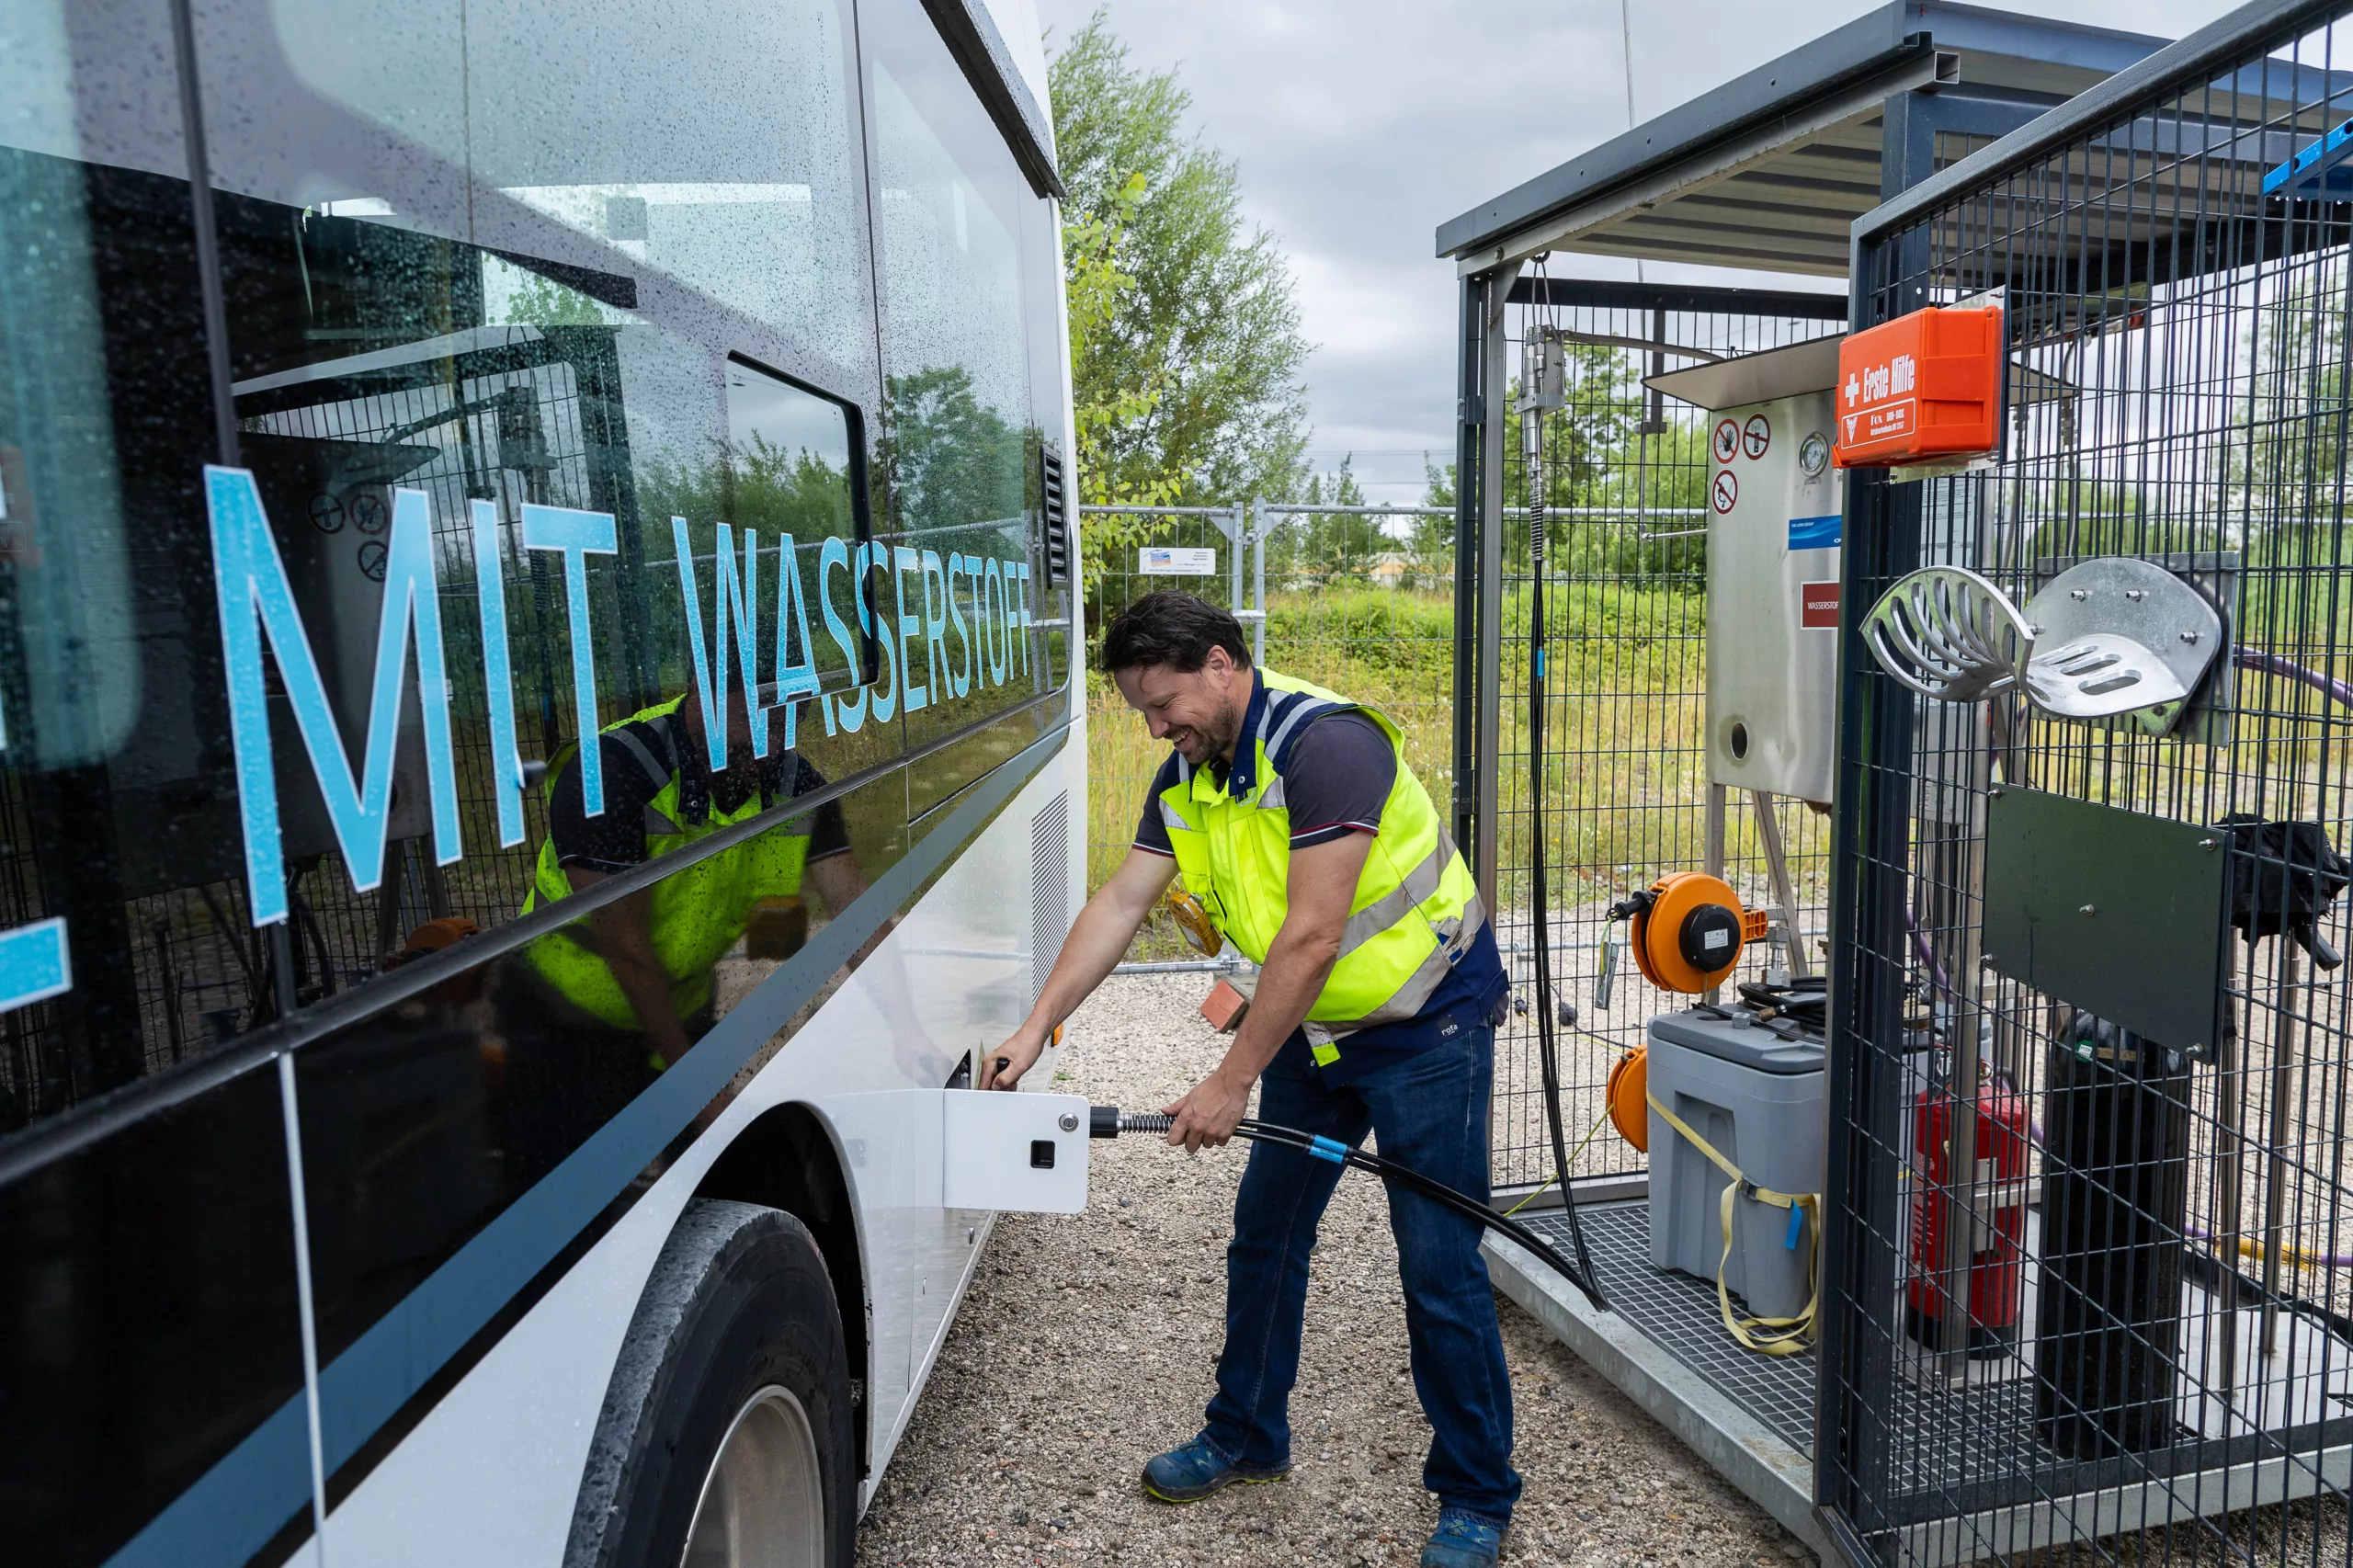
(1184,768)
(1401,900)
(1406,1001)
(1300,712)
(1171,818)
(645,758)
(1271,799)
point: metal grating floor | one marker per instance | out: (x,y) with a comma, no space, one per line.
(1678,1313)
(1944,1463)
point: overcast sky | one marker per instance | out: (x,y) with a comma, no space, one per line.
(1360,125)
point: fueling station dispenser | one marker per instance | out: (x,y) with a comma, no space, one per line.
(1735,1098)
(1774,501)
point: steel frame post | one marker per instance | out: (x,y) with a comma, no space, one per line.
(1871,844)
(1712,856)
(1469,434)
(1494,362)
(1259,528)
(1777,872)
(1229,522)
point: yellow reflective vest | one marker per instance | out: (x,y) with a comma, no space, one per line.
(1416,909)
(695,913)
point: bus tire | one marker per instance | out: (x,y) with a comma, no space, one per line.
(730,1402)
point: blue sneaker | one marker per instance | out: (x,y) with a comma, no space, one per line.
(1190,1472)
(1462,1541)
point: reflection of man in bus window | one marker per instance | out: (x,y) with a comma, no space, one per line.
(621,994)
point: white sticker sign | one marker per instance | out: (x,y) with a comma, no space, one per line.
(1165,560)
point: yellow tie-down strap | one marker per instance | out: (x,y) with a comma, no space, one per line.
(1767,1337)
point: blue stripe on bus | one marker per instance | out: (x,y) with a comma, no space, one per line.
(217,1518)
(237,1506)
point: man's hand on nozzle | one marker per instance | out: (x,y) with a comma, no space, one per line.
(1001,1068)
(1209,1114)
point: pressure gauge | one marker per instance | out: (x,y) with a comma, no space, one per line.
(1814,454)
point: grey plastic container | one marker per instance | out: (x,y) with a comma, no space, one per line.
(1758,1099)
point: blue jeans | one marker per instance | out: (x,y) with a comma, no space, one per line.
(1430,1112)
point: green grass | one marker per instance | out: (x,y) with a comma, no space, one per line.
(1626,665)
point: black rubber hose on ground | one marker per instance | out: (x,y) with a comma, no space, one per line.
(1107,1122)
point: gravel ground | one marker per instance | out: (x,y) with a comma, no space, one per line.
(1087,1344)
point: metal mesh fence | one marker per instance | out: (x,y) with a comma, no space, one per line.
(1626,796)
(1363,600)
(2086,1273)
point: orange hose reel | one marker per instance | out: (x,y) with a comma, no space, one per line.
(1628,1096)
(1687,931)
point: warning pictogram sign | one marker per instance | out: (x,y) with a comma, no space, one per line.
(1726,492)
(1757,435)
(1726,443)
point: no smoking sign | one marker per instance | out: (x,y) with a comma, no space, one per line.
(1724,492)
(1725,442)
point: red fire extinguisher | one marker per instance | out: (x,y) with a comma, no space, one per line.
(1996,1271)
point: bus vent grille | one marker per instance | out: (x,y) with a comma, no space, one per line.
(1049,889)
(1053,505)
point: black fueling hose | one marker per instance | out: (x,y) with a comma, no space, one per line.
(1548,1052)
(1105,1121)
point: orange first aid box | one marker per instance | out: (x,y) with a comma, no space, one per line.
(1923,386)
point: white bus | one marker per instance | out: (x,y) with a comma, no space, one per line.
(425,1137)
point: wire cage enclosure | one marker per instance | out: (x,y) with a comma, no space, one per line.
(2089,1240)
(1622,471)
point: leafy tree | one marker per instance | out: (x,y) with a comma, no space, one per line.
(1433,537)
(1327,548)
(1096,287)
(1186,353)
(543,301)
(758,485)
(1596,458)
(2296,397)
(953,459)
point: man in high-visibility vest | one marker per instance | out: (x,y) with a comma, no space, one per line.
(1291,817)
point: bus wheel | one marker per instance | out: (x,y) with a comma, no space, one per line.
(726,1438)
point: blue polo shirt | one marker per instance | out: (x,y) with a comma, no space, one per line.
(1337,770)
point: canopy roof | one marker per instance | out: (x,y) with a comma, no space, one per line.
(1769,171)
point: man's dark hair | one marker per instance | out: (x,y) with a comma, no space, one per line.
(1173,629)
